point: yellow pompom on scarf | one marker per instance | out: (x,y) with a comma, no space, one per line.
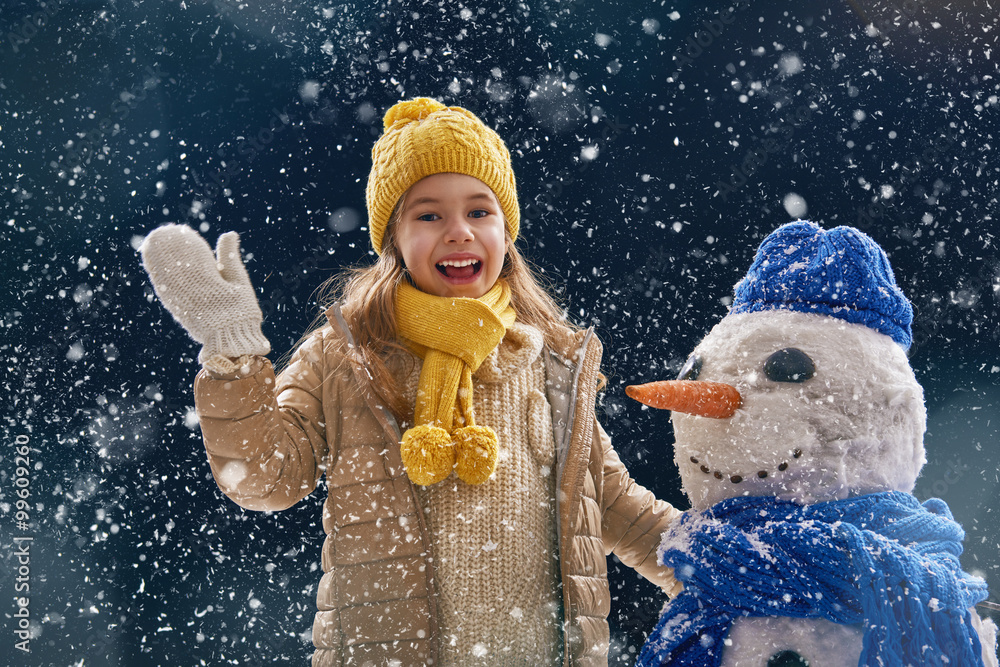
(453,336)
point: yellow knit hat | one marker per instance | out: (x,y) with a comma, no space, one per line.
(423,137)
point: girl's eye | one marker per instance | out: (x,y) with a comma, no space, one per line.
(690,369)
(479,213)
(789,365)
(427,217)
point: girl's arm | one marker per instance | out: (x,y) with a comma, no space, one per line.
(266,436)
(633,519)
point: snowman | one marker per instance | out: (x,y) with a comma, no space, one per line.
(799,437)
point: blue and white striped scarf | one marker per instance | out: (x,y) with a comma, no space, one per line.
(883,560)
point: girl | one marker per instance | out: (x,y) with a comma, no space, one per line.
(473,497)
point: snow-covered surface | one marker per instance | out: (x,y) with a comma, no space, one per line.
(987,631)
(752,641)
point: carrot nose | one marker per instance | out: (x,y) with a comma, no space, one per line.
(696,397)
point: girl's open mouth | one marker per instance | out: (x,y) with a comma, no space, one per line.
(460,269)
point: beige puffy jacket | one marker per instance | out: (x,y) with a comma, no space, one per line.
(269,441)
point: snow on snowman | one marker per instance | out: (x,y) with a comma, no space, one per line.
(799,438)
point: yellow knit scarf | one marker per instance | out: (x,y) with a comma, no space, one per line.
(453,336)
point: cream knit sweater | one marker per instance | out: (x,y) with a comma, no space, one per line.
(495,543)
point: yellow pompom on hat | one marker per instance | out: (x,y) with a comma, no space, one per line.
(423,137)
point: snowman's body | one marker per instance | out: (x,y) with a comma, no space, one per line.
(760,642)
(855,427)
(767,641)
(829,409)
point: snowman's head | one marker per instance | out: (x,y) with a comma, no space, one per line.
(803,391)
(827,409)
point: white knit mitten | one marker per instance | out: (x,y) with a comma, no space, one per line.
(210,295)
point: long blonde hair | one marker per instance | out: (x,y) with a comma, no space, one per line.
(367,295)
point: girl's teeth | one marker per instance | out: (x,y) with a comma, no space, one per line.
(465,268)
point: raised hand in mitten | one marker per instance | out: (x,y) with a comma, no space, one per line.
(209,294)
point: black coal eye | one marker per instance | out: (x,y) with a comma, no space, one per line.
(789,365)
(787,659)
(690,369)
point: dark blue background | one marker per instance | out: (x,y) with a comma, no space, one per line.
(654,144)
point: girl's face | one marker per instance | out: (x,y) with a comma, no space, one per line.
(451,236)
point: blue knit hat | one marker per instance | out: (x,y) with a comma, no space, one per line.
(840,272)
